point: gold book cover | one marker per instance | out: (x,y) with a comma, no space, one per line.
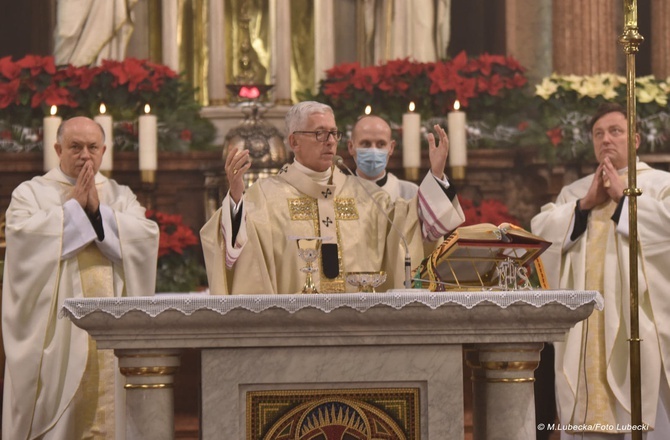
(469,257)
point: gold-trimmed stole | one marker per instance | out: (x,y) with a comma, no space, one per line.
(95,396)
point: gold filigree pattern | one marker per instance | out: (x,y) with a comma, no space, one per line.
(345,209)
(389,413)
(306,209)
(303,208)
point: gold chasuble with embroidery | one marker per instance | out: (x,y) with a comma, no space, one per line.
(592,365)
(264,258)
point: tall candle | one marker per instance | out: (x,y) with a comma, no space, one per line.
(107,125)
(411,138)
(148,134)
(49,139)
(458,154)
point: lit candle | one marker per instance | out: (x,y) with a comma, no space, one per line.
(411,143)
(49,139)
(107,125)
(458,155)
(148,134)
(368,109)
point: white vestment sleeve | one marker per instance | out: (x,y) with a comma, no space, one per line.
(439,215)
(78,231)
(623,225)
(110,246)
(233,250)
(568,243)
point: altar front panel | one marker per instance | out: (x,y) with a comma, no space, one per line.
(435,370)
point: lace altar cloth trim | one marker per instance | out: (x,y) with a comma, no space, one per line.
(190,303)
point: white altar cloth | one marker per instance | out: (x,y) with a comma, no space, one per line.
(397,299)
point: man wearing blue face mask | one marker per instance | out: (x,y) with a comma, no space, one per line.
(371,146)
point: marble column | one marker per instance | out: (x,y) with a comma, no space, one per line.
(585,39)
(170,20)
(149,392)
(281,53)
(503,389)
(660,43)
(324,39)
(528,37)
(217,53)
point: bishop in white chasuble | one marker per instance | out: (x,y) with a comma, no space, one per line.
(256,254)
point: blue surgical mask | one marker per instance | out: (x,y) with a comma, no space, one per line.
(371,161)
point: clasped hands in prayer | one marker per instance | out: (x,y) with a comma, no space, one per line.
(84,190)
(599,191)
(238,162)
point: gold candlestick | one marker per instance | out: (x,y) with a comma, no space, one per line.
(631,40)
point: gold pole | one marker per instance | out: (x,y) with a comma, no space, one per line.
(631,40)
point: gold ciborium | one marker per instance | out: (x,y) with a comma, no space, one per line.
(366,281)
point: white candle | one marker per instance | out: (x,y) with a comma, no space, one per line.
(411,138)
(49,139)
(458,154)
(107,124)
(148,134)
(368,109)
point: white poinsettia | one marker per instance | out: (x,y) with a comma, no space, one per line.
(649,90)
(546,88)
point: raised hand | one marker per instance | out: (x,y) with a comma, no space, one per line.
(237,163)
(438,153)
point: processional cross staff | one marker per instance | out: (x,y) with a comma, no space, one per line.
(631,40)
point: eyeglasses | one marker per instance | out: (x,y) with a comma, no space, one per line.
(323,135)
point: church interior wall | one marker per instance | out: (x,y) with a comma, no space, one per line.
(534,31)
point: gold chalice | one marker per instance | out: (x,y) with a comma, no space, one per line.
(308,251)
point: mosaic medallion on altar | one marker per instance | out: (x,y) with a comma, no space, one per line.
(338,414)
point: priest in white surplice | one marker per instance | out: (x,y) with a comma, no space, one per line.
(248,243)
(71,233)
(588,226)
(371,146)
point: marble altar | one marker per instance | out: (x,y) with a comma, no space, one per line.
(404,338)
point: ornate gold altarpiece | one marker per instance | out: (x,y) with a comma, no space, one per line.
(387,363)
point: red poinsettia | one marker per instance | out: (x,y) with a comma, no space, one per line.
(555,136)
(30,85)
(175,236)
(486,211)
(433,87)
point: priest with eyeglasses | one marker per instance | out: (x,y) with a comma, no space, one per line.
(250,244)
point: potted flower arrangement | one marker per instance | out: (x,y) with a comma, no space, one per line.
(565,104)
(492,89)
(31,85)
(180,262)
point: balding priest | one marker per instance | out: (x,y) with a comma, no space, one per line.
(71,233)
(250,243)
